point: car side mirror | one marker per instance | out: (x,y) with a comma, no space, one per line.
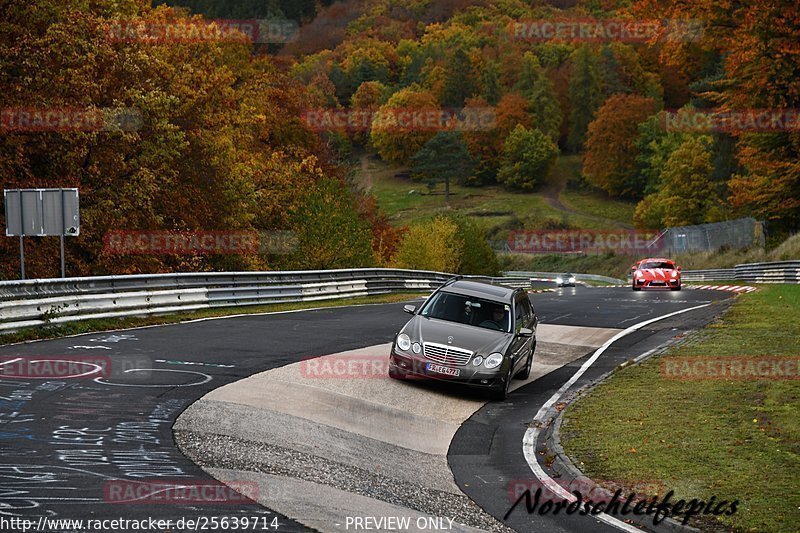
(410,309)
(525,332)
(679,269)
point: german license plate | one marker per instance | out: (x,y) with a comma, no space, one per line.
(439,369)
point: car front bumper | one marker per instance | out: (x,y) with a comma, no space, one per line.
(469,375)
(657,284)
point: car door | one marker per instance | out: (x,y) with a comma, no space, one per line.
(521,317)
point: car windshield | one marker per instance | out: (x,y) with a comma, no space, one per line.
(656,264)
(469,310)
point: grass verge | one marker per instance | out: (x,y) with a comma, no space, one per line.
(106,324)
(736,439)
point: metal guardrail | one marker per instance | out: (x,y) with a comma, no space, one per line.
(774,272)
(551,276)
(53,301)
(711,274)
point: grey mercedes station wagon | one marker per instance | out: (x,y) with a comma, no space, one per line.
(469,332)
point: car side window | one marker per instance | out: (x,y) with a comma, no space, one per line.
(519,313)
(528,312)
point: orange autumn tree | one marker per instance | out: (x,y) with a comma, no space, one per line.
(219,144)
(756,44)
(610,160)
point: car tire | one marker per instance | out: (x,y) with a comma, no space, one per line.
(395,373)
(676,288)
(526,372)
(501,393)
(634,287)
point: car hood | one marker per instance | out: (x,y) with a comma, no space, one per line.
(657,273)
(482,341)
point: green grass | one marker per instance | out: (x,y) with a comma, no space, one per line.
(734,439)
(406,201)
(598,205)
(106,324)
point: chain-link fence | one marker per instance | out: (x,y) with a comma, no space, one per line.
(732,234)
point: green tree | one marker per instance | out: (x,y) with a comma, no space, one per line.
(329,232)
(448,243)
(654,145)
(528,156)
(585,95)
(533,84)
(688,193)
(491,90)
(477,257)
(433,245)
(458,83)
(443,158)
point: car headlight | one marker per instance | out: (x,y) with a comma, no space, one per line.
(416,348)
(674,273)
(639,274)
(493,361)
(572,280)
(477,360)
(559,280)
(403,342)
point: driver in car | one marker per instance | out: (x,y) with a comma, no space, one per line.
(498,317)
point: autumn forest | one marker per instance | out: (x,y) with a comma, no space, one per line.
(222,139)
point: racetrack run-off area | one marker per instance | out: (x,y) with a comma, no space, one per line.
(315,450)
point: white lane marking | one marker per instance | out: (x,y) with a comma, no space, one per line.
(206,378)
(11,361)
(532,433)
(115,338)
(89,347)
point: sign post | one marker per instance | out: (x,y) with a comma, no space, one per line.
(41,213)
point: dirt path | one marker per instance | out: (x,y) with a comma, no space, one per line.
(551,192)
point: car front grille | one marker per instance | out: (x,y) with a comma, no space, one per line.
(446,355)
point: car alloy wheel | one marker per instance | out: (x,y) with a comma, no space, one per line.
(526,372)
(501,392)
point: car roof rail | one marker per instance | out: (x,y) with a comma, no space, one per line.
(452,280)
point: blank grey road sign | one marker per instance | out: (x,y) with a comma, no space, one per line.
(42,212)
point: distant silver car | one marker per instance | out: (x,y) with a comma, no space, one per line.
(565,280)
(473,333)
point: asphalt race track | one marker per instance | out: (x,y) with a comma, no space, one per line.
(70,439)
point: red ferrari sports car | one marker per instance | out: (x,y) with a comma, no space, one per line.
(656,274)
